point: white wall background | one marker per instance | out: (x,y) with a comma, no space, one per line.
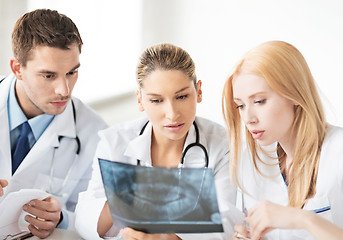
(215,32)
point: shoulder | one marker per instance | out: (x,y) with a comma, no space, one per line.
(124,131)
(334,136)
(210,128)
(86,116)
(215,134)
(332,147)
(6,81)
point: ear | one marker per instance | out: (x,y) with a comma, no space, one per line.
(139,101)
(16,68)
(199,92)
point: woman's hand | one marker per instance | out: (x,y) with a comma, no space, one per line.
(267,216)
(130,234)
(241,232)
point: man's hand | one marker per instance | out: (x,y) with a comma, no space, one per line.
(47,212)
(3,183)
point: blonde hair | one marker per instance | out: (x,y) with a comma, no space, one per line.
(165,57)
(287,73)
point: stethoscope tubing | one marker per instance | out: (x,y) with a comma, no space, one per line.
(52,166)
(195,144)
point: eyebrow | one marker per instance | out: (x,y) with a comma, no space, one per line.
(251,96)
(76,67)
(50,72)
(181,90)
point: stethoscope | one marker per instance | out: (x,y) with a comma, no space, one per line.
(52,166)
(195,144)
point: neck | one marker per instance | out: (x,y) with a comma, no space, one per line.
(166,152)
(287,159)
(30,111)
(288,146)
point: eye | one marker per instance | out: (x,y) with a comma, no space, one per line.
(155,100)
(72,72)
(260,101)
(48,76)
(182,97)
(240,106)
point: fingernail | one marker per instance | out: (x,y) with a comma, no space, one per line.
(1,192)
(32,203)
(25,207)
(27,218)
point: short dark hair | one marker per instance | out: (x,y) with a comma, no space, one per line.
(43,27)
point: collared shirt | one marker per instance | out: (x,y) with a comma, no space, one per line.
(16,117)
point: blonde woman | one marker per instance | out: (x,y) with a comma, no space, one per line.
(290,175)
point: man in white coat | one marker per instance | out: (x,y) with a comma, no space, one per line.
(47,137)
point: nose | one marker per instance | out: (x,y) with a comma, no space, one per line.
(171,111)
(62,87)
(250,116)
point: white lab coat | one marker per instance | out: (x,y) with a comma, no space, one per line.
(329,191)
(34,171)
(123,143)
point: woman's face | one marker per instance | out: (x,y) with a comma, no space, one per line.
(267,115)
(169,98)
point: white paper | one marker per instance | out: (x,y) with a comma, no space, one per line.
(12,205)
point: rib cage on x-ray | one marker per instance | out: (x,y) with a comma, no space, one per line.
(160,199)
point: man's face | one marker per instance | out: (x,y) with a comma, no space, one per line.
(46,82)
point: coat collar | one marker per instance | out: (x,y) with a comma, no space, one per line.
(62,125)
(5,148)
(140,146)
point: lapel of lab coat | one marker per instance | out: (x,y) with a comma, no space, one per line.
(62,125)
(5,148)
(140,146)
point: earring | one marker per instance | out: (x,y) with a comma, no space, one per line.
(140,107)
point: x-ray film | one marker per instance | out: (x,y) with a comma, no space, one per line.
(161,200)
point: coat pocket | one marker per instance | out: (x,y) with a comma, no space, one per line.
(57,187)
(321,206)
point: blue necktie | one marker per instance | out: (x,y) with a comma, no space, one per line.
(22,147)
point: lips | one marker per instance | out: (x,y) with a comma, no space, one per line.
(60,103)
(174,127)
(256,134)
